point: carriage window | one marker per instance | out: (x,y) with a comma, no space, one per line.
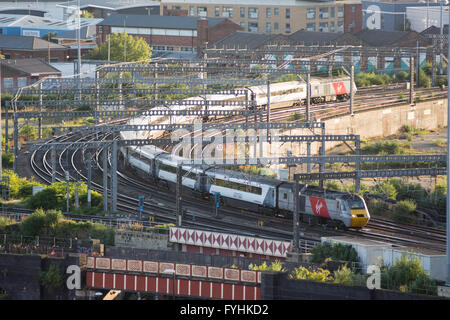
(236,186)
(284,195)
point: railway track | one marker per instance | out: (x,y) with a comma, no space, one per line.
(161,203)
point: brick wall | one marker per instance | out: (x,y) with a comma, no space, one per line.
(222,29)
(204,34)
(352,18)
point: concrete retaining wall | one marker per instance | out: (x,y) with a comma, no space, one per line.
(373,123)
(142,240)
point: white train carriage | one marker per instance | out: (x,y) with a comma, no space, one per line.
(234,185)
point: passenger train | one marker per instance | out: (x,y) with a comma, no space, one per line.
(252,192)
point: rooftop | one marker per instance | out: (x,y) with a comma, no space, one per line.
(380,38)
(167,22)
(26,43)
(110,4)
(30,66)
(27,21)
(86,33)
(242,39)
(262,2)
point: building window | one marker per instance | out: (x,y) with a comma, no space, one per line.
(253,13)
(332,12)
(186,49)
(8,83)
(340,12)
(242,12)
(100,29)
(242,25)
(275,26)
(323,26)
(276,11)
(311,26)
(169,48)
(191,11)
(323,13)
(253,26)
(202,11)
(288,13)
(268,27)
(332,27)
(340,26)
(217,12)
(21,82)
(288,28)
(227,12)
(268,13)
(311,13)
(353,9)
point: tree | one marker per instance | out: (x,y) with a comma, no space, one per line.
(53,279)
(86,14)
(135,49)
(50,37)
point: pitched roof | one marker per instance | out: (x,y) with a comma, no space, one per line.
(86,33)
(313,37)
(26,43)
(30,66)
(154,21)
(380,38)
(433,30)
(240,39)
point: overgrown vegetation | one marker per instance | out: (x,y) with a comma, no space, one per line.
(53,279)
(337,252)
(405,274)
(52,223)
(54,195)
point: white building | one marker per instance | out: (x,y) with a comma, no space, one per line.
(422,18)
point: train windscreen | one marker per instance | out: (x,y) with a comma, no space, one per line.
(355,203)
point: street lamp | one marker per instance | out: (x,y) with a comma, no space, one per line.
(173,273)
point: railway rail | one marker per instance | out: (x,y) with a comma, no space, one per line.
(161,204)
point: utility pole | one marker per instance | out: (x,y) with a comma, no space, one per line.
(79,49)
(447,280)
(6,140)
(178,195)
(295,192)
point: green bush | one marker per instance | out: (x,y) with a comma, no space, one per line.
(404,211)
(53,279)
(337,252)
(407,275)
(369,79)
(20,187)
(377,207)
(7,159)
(54,197)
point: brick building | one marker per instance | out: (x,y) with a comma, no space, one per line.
(168,33)
(16,73)
(23,47)
(280,16)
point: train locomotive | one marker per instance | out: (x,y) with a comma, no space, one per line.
(253,192)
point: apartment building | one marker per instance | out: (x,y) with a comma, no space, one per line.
(271,16)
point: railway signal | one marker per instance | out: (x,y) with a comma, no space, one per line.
(141,206)
(217,202)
